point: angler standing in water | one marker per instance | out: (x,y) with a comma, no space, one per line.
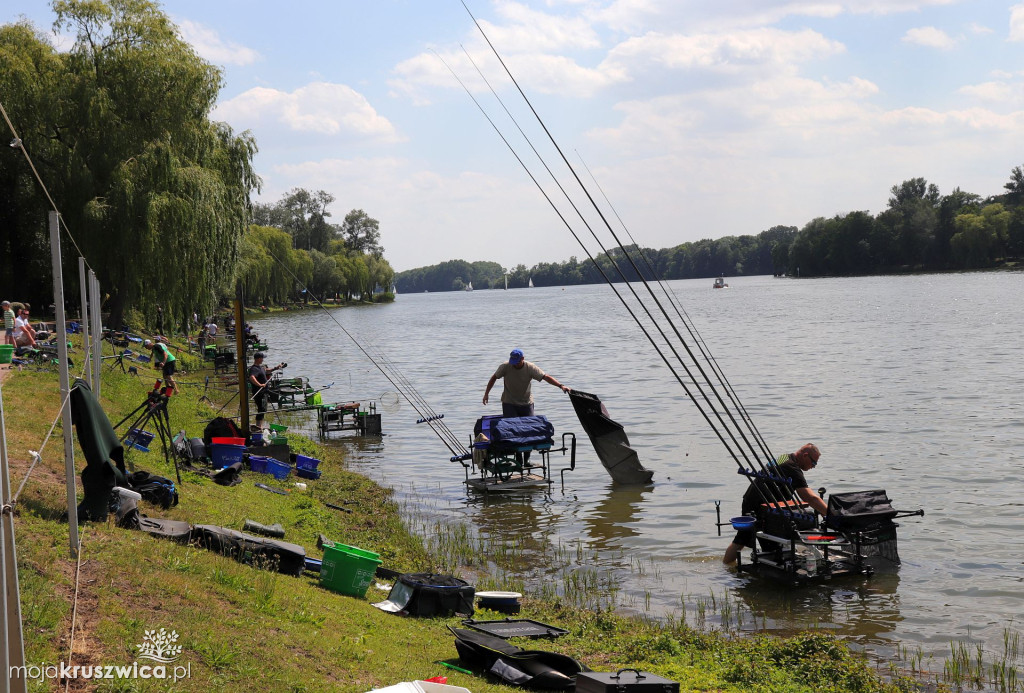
(519,374)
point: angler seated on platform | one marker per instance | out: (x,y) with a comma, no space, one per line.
(789,466)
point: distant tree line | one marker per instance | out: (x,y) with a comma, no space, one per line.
(920,230)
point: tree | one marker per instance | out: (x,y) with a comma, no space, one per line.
(303,214)
(361,233)
(155,194)
(914,205)
(1015,187)
(980,236)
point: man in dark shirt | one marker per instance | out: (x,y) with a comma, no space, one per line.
(789,466)
(259,375)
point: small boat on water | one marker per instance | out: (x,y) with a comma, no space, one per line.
(530,285)
(469,287)
(720,284)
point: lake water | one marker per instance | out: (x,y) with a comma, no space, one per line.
(911,384)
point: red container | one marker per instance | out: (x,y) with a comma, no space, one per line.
(228,441)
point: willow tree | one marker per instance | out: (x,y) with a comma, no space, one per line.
(156,195)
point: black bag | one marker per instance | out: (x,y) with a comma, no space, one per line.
(221,428)
(155,489)
(624,681)
(528,668)
(281,556)
(427,594)
(175,530)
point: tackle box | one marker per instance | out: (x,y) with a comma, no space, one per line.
(624,681)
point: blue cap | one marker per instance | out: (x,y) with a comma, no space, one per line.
(516,357)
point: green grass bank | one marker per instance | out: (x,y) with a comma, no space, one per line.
(245,629)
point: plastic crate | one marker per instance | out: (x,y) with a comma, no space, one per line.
(139,440)
(303,462)
(279,440)
(278,428)
(226,455)
(313,474)
(347,569)
(228,441)
(278,469)
(258,464)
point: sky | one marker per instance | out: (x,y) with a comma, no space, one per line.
(685,119)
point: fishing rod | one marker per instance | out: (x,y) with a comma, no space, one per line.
(687,321)
(611,258)
(439,428)
(600,269)
(749,467)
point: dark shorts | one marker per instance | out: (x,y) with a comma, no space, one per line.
(746,537)
(516,409)
(169,368)
(9,331)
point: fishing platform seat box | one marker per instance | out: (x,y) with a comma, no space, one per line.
(866,517)
(431,595)
(624,681)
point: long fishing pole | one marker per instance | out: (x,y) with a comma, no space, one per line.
(687,321)
(639,273)
(600,269)
(609,255)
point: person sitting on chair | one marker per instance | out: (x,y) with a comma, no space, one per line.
(789,466)
(163,359)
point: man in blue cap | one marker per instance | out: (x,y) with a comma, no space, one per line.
(518,374)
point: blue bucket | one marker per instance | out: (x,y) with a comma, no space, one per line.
(279,469)
(303,462)
(743,522)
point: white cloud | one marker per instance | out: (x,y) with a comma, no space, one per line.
(996,92)
(930,37)
(319,107)
(979,29)
(729,52)
(527,30)
(1017,22)
(209,45)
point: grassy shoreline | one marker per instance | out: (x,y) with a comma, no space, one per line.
(248,629)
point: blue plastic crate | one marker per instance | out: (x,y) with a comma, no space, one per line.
(308,473)
(278,469)
(258,464)
(309,463)
(139,439)
(226,455)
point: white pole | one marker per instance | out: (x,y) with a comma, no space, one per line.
(12,654)
(82,279)
(97,332)
(65,384)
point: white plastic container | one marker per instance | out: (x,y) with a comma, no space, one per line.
(127,493)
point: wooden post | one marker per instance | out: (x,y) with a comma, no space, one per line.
(243,385)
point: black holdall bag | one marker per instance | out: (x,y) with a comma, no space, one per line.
(155,489)
(624,681)
(427,595)
(526,668)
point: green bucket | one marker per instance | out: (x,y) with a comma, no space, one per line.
(278,428)
(6,353)
(314,399)
(347,569)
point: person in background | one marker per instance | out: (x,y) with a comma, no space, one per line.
(164,360)
(259,376)
(211,329)
(159,320)
(518,375)
(791,466)
(8,323)
(23,333)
